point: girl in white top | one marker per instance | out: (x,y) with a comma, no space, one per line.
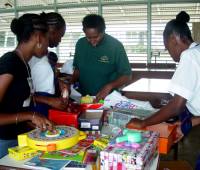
(185,84)
(41,71)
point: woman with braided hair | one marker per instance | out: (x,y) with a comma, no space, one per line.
(16,84)
(44,81)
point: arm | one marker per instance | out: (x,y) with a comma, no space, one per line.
(123,70)
(74,79)
(37,119)
(112,85)
(75,76)
(43,81)
(173,108)
(54,102)
(195,121)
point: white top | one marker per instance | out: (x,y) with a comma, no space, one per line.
(67,67)
(186,79)
(42,75)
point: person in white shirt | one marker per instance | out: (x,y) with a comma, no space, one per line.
(42,73)
(185,83)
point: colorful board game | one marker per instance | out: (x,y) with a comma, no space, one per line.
(63,137)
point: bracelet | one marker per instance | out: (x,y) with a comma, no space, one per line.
(33,116)
(16,119)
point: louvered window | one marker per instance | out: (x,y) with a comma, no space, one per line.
(138,24)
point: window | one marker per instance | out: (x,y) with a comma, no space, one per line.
(126,20)
(73,30)
(2,38)
(10,42)
(6,34)
(128,23)
(161,14)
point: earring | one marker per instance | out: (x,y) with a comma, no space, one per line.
(39,45)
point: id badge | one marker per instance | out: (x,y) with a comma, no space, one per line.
(30,83)
(27,102)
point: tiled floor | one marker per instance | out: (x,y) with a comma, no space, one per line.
(188,149)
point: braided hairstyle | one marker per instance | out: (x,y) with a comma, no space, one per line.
(54,19)
(56,27)
(24,26)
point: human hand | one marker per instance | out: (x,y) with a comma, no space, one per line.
(179,133)
(64,86)
(103,93)
(59,103)
(41,122)
(135,123)
(73,107)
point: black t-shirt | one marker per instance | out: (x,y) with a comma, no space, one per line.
(17,92)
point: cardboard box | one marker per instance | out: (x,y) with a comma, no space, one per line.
(167,135)
(21,152)
(91,120)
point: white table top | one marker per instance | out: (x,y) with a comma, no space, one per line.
(148,85)
(7,161)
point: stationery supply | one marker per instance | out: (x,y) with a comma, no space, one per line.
(131,150)
(91,120)
(45,164)
(21,152)
(73,165)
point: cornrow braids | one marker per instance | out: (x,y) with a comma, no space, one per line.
(54,19)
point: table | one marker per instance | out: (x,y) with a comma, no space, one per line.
(153,90)
(6,163)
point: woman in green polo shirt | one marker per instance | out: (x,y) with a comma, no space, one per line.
(100,60)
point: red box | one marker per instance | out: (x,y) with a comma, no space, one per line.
(92,106)
(64,117)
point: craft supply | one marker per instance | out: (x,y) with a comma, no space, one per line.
(130,136)
(21,153)
(87,99)
(102,142)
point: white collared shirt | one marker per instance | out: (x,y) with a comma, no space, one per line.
(186,79)
(42,75)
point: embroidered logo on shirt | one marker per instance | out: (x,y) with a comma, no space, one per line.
(104,59)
